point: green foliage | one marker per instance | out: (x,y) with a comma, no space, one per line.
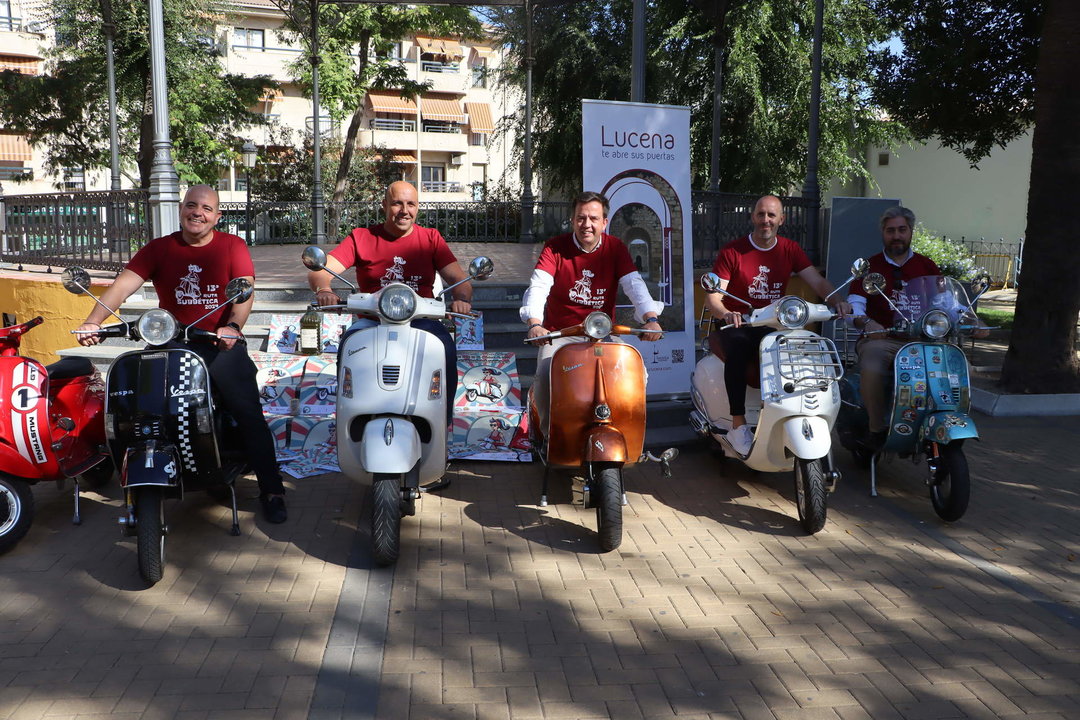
(999,318)
(966,71)
(583,51)
(66,110)
(952,258)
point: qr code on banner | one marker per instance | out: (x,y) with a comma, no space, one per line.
(676,355)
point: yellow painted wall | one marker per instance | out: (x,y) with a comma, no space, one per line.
(27,295)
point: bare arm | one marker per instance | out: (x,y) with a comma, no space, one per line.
(319,281)
(720,311)
(121,289)
(823,287)
(462,294)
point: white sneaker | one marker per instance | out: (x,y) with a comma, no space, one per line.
(740,439)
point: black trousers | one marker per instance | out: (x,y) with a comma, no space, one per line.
(233,374)
(740,347)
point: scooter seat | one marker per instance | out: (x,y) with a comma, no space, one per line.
(753,369)
(70,367)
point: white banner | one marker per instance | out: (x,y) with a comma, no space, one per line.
(638,155)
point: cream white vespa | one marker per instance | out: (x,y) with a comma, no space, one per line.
(391,399)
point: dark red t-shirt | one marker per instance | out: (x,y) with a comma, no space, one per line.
(584,282)
(190,280)
(877,309)
(381,259)
(759,276)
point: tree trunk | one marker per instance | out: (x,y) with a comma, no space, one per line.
(348,149)
(1042,352)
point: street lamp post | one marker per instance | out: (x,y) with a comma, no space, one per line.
(250,155)
(164,184)
(811,190)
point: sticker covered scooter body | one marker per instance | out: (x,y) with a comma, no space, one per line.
(24,425)
(931,396)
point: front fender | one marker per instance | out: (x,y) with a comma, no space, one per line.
(807,436)
(605,444)
(947,425)
(389,445)
(150,465)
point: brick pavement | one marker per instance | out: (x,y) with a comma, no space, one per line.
(716,605)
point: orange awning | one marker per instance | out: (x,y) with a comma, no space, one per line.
(15,148)
(439,46)
(483,51)
(24,65)
(401,157)
(433,108)
(479,117)
(272,95)
(390,101)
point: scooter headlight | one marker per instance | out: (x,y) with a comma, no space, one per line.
(157,327)
(936,324)
(598,325)
(792,312)
(397,303)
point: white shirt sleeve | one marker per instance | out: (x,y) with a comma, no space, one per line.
(636,290)
(858,308)
(532,305)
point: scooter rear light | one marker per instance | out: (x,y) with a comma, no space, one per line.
(435,391)
(346,383)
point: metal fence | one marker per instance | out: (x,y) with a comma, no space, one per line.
(720,217)
(1000,258)
(98,230)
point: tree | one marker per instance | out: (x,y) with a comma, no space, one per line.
(976,73)
(67,108)
(355,44)
(582,50)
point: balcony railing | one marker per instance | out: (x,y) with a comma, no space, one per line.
(438,67)
(439,128)
(10,24)
(442,186)
(398,125)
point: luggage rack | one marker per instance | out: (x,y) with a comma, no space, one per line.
(808,361)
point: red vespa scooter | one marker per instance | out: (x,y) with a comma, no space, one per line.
(52,427)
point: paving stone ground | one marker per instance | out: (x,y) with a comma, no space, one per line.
(717,605)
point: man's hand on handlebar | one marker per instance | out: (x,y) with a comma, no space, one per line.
(326,296)
(538,331)
(228,337)
(656,334)
(463,307)
(842,308)
(731,319)
(87,334)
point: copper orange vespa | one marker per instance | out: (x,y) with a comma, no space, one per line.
(596,417)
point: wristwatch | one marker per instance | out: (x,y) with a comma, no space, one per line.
(234,326)
(650,319)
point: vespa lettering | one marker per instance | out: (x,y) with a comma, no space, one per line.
(183,392)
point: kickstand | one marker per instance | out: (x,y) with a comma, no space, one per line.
(440,484)
(76,518)
(873,475)
(235,529)
(544,487)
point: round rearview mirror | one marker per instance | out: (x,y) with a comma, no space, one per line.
(76,280)
(314,258)
(873,283)
(481,268)
(239,290)
(980,284)
(860,267)
(710,282)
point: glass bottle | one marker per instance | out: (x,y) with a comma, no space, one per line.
(311,331)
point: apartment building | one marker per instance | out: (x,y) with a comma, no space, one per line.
(444,139)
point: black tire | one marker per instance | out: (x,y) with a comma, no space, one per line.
(150,532)
(607,494)
(386,519)
(810,494)
(98,476)
(950,488)
(16,511)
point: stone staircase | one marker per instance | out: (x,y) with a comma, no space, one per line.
(503,332)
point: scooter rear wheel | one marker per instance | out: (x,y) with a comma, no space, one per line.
(386,518)
(150,533)
(16,511)
(810,494)
(607,486)
(950,488)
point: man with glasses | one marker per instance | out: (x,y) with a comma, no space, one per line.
(899,264)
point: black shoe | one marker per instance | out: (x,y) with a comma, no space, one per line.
(273,507)
(874,441)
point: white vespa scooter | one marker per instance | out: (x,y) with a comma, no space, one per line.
(792,406)
(391,399)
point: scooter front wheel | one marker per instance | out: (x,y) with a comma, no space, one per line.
(16,511)
(150,532)
(810,494)
(385,518)
(607,487)
(950,487)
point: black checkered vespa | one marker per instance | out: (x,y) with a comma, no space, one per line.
(160,423)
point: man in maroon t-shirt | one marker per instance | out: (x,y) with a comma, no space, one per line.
(399,250)
(757,269)
(576,274)
(189,270)
(899,264)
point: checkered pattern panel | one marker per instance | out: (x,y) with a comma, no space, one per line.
(187,453)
